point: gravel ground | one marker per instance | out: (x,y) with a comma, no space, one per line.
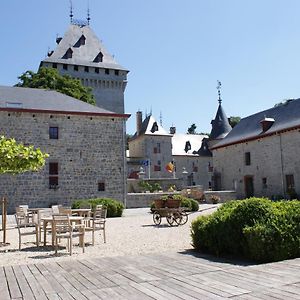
(133,234)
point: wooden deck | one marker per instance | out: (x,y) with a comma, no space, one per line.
(165,276)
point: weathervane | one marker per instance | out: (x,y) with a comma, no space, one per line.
(71,12)
(88,13)
(219,91)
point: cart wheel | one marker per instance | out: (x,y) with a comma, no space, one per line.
(181,217)
(170,219)
(156,218)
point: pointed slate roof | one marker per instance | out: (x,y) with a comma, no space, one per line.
(220,125)
(285,116)
(80,46)
(151,127)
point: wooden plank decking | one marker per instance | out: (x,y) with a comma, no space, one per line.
(165,276)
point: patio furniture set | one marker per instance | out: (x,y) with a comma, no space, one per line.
(61,223)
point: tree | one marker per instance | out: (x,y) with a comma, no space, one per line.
(48,78)
(192,129)
(16,158)
(234,120)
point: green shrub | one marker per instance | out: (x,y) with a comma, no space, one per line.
(255,228)
(114,207)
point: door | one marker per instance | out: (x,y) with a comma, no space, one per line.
(249,187)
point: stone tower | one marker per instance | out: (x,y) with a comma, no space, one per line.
(80,54)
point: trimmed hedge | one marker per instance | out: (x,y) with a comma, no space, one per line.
(254,228)
(114,207)
(190,204)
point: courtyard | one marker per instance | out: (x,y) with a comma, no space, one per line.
(140,261)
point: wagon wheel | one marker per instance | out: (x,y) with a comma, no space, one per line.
(156,218)
(181,217)
(170,219)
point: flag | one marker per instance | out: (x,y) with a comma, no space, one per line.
(170,167)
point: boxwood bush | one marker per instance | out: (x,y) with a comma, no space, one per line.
(254,228)
(114,207)
(190,204)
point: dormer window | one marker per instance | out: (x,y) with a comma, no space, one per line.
(266,123)
(68,54)
(154,127)
(98,58)
(187,146)
(80,42)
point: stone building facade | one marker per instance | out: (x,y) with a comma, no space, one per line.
(152,148)
(260,156)
(81,55)
(86,147)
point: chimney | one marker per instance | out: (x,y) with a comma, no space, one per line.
(139,121)
(266,123)
(172,130)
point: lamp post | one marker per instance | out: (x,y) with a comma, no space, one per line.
(184,173)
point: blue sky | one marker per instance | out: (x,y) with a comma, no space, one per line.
(175,50)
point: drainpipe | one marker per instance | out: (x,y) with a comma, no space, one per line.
(281,161)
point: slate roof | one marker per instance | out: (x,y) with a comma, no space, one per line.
(82,54)
(286,116)
(220,125)
(45,100)
(181,140)
(147,126)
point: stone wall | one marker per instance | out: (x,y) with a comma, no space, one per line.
(223,195)
(89,150)
(272,158)
(137,200)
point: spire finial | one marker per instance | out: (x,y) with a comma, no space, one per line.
(71,11)
(88,13)
(160,119)
(219,91)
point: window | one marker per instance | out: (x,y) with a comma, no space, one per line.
(187,146)
(101,186)
(54,65)
(53,133)
(53,175)
(86,69)
(195,168)
(117,72)
(97,70)
(68,54)
(154,127)
(157,167)
(75,68)
(98,58)
(157,148)
(290,183)
(80,42)
(264,183)
(65,66)
(247,159)
(107,71)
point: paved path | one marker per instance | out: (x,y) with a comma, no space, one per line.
(164,276)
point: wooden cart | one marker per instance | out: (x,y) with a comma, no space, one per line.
(174,216)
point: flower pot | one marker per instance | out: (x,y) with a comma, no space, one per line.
(173,203)
(159,203)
